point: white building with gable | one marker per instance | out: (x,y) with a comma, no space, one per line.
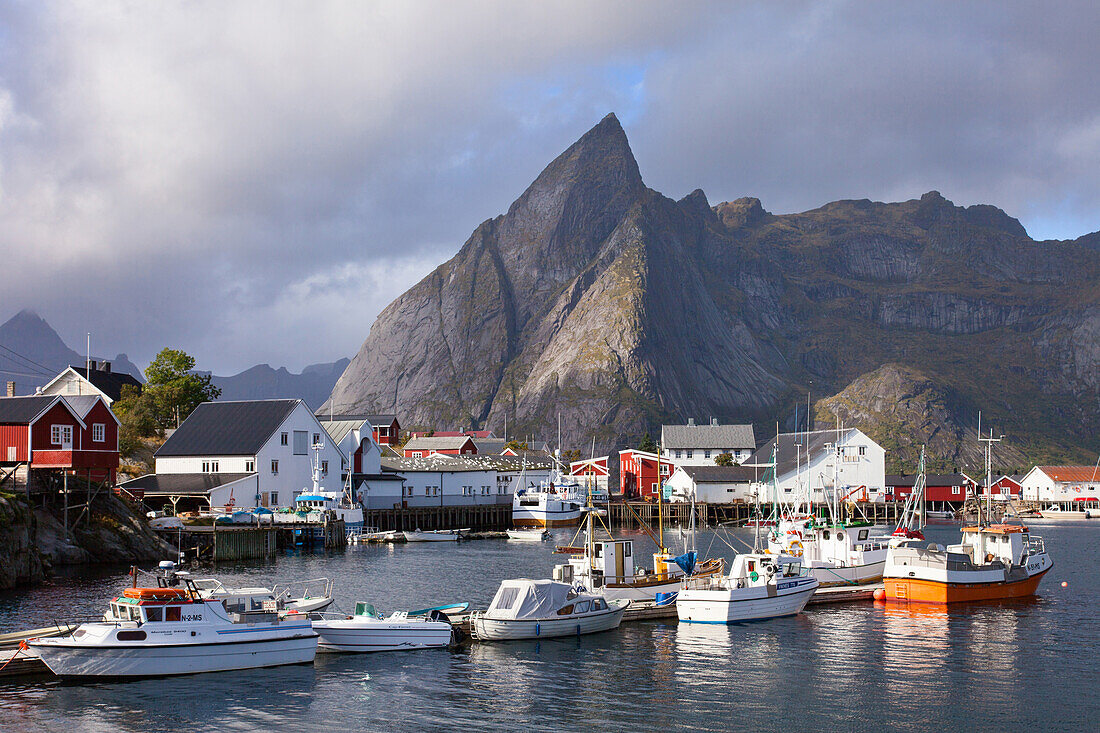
(699,445)
(810,463)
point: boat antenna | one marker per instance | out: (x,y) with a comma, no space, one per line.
(988,471)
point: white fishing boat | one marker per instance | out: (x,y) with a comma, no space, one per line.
(555,502)
(434,535)
(364,535)
(155,632)
(300,596)
(528,535)
(1075,511)
(536,609)
(759,586)
(368,631)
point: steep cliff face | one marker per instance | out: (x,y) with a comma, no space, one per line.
(603,301)
(21,562)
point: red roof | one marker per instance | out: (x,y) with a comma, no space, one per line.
(1072,473)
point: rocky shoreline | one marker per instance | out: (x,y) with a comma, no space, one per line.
(33,540)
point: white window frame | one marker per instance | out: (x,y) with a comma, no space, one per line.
(99,432)
(274,467)
(61,435)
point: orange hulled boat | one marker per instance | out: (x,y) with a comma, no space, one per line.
(992,562)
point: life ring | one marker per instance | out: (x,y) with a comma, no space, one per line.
(795,549)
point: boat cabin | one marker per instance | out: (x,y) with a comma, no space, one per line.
(1008,543)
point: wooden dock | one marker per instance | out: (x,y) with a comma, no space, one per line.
(232,542)
(482,518)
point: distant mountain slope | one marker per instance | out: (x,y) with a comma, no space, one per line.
(31,353)
(603,301)
(263,382)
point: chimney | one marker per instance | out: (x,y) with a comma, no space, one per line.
(92,365)
(691,422)
(714,421)
(11,389)
(105,366)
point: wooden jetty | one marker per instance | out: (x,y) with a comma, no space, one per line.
(234,542)
(484,518)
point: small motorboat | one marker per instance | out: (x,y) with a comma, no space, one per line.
(301,596)
(157,632)
(165,523)
(451,609)
(528,535)
(759,586)
(369,631)
(365,535)
(535,609)
(435,535)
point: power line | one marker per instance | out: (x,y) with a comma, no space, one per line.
(47,371)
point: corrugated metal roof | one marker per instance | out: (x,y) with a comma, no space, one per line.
(227,428)
(722,474)
(1072,473)
(21,410)
(81,404)
(725,437)
(434,443)
(182,483)
(489,445)
(339,428)
(795,447)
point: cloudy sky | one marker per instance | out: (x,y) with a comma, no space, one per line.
(254,182)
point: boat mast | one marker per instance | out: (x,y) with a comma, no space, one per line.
(988,472)
(660,516)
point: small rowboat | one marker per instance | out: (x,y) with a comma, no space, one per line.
(435,535)
(452,609)
(528,535)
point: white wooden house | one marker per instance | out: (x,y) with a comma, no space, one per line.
(809,464)
(699,445)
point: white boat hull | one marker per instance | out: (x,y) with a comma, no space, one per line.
(527,535)
(74,661)
(830,575)
(727,606)
(490,629)
(431,537)
(354,635)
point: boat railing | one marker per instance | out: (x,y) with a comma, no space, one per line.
(315,588)
(1036,546)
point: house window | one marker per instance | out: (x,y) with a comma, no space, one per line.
(274,498)
(324,468)
(249,466)
(956,490)
(383,432)
(418,454)
(863,450)
(209,466)
(316,438)
(706,454)
(61,435)
(427,491)
(99,432)
(301,448)
(689,453)
(283,439)
(213,466)
(274,467)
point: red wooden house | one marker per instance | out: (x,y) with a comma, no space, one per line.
(386,429)
(462,445)
(1006,487)
(952,488)
(638,474)
(75,434)
(591,471)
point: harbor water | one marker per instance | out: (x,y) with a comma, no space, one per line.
(1019,665)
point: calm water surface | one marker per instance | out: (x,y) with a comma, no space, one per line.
(1003,666)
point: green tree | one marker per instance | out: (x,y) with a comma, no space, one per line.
(571,455)
(723,459)
(648,444)
(174,390)
(137,418)
(516,445)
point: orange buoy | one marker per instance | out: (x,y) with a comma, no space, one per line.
(880,594)
(1065,584)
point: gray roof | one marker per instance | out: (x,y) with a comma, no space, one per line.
(228,428)
(340,427)
(795,447)
(182,483)
(448,464)
(489,445)
(722,474)
(21,410)
(81,404)
(438,443)
(381,420)
(723,437)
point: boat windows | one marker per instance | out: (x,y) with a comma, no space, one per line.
(840,535)
(825,535)
(626,551)
(862,534)
(598,605)
(599,550)
(565,610)
(131,636)
(172,613)
(154,613)
(582,607)
(752,565)
(507,598)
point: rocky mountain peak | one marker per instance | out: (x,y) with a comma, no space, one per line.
(743,212)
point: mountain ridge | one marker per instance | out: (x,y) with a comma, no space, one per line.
(599,299)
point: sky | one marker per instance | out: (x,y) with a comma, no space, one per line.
(253,182)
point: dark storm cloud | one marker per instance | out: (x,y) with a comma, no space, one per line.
(256,186)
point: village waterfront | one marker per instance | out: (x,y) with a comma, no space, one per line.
(858,666)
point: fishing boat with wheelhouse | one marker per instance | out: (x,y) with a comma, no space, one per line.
(163,631)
